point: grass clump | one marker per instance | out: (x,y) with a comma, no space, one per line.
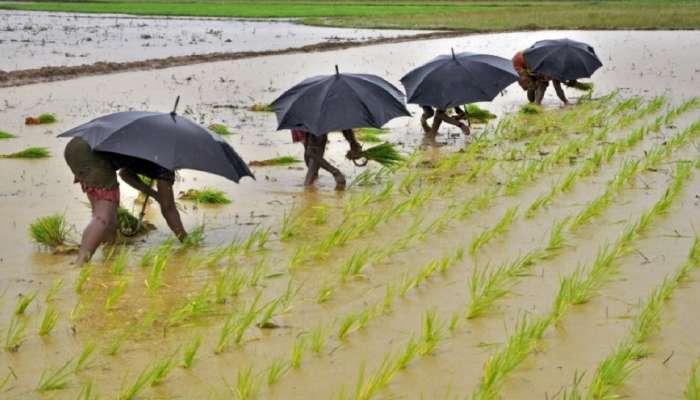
(384,154)
(51,231)
(15,334)
(219,129)
(261,107)
(205,196)
(531,109)
(30,153)
(277,161)
(55,380)
(49,321)
(47,118)
(6,135)
(477,114)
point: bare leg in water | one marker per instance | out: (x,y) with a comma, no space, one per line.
(315,149)
(101,229)
(441,116)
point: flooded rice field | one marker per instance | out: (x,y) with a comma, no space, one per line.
(503,267)
(39,39)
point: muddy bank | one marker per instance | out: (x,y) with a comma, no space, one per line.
(49,74)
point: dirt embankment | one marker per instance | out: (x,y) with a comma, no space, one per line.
(48,74)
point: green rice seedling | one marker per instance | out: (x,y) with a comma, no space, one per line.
(56,379)
(53,290)
(6,379)
(162,368)
(648,321)
(83,277)
(15,333)
(219,129)
(365,390)
(227,331)
(258,272)
(692,389)
(692,262)
(575,392)
(121,261)
(195,308)
(206,196)
(501,227)
(47,118)
(268,312)
(320,215)
(195,238)
(237,282)
(49,321)
(477,114)
(364,317)
(298,351)
(614,370)
(409,353)
(454,321)
(370,135)
(318,339)
(24,301)
(6,135)
(142,381)
(290,293)
(84,359)
(291,224)
(275,162)
(432,332)
(346,325)
(86,392)
(631,103)
(246,319)
(325,291)
(257,239)
(355,264)
(155,275)
(51,231)
(190,351)
(385,154)
(223,283)
(29,153)
(576,288)
(300,255)
(277,370)
(407,283)
(569,181)
(556,236)
(247,385)
(116,293)
(584,86)
(531,109)
(261,107)
(388,301)
(117,342)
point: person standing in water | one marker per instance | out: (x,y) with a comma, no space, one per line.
(314,151)
(97,174)
(536,84)
(440,116)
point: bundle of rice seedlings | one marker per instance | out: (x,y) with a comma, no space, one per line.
(585,86)
(206,196)
(261,107)
(370,135)
(129,224)
(51,231)
(385,154)
(219,129)
(6,135)
(477,114)
(531,109)
(30,152)
(283,160)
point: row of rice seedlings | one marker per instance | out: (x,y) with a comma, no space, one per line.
(617,367)
(575,289)
(499,228)
(205,196)
(29,153)
(651,107)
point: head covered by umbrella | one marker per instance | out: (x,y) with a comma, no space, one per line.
(166,139)
(457,79)
(562,59)
(340,101)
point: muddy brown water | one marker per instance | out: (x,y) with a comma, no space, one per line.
(639,63)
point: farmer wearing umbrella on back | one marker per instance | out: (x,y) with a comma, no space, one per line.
(338,102)
(559,61)
(141,143)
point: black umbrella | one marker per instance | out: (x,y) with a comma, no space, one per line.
(457,79)
(328,103)
(562,59)
(166,139)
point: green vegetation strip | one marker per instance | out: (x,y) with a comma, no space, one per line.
(29,153)
(480,16)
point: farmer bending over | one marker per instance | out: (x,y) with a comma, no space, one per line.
(441,115)
(314,150)
(96,173)
(536,84)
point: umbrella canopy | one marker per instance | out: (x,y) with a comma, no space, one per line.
(457,79)
(562,59)
(167,139)
(328,103)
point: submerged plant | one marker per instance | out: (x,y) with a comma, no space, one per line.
(432,332)
(29,153)
(190,351)
(84,360)
(354,265)
(142,380)
(298,351)
(51,231)
(277,370)
(56,379)
(15,333)
(162,368)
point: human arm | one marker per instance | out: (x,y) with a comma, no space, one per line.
(168,209)
(132,179)
(560,92)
